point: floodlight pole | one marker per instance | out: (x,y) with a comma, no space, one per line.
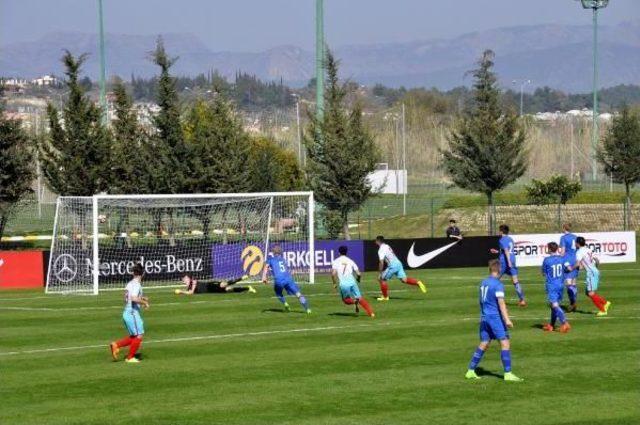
(594,5)
(103,91)
(594,131)
(522,84)
(320,58)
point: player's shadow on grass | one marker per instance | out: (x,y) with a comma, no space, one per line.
(566,310)
(538,326)
(279,310)
(343,314)
(484,372)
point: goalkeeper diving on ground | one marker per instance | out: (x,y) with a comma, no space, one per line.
(193,286)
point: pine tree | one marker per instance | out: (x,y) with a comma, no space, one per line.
(341,153)
(219,148)
(75,157)
(487,147)
(131,153)
(620,153)
(17,169)
(170,165)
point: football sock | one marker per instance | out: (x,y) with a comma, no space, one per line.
(411,281)
(518,289)
(598,301)
(349,301)
(554,317)
(282,299)
(475,359)
(303,302)
(366,306)
(560,314)
(384,288)
(124,342)
(572,291)
(505,356)
(135,344)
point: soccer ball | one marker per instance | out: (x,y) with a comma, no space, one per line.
(177,292)
(102,218)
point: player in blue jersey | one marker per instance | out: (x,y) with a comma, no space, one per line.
(133,299)
(494,321)
(568,249)
(282,279)
(507,257)
(553,270)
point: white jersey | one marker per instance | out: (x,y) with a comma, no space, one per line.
(133,289)
(385,253)
(344,267)
(585,257)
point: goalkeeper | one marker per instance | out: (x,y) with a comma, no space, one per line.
(192,286)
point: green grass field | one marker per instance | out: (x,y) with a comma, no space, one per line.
(237,359)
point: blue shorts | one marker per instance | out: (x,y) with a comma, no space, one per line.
(350,289)
(493,328)
(394,269)
(505,269)
(133,322)
(289,286)
(593,280)
(554,293)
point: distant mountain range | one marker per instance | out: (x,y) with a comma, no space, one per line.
(550,55)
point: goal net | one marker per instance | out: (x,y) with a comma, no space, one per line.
(97,240)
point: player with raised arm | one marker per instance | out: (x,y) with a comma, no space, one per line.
(553,269)
(507,258)
(133,299)
(282,279)
(394,268)
(494,321)
(193,286)
(346,275)
(568,250)
(588,262)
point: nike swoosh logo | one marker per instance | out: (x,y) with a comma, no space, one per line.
(415,261)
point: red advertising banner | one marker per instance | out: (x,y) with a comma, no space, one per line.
(21,269)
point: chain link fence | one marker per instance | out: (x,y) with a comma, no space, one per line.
(424,215)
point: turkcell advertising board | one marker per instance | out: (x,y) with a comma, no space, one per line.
(237,259)
(609,247)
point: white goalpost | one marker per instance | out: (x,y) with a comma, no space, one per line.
(98,239)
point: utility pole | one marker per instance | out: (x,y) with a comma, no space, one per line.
(522,84)
(103,90)
(404,163)
(320,58)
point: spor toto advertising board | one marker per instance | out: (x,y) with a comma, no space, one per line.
(237,259)
(609,247)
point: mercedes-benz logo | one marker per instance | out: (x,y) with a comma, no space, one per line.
(65,268)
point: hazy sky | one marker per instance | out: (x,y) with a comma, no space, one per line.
(251,25)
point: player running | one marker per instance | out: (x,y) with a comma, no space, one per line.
(344,272)
(589,263)
(282,279)
(193,286)
(394,268)
(494,321)
(568,250)
(507,258)
(553,269)
(133,299)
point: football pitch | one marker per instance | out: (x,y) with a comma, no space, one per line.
(238,359)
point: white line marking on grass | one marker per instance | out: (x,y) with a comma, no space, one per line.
(193,338)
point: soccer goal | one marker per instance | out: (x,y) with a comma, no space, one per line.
(98,239)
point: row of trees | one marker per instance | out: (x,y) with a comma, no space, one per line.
(201,150)
(206,150)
